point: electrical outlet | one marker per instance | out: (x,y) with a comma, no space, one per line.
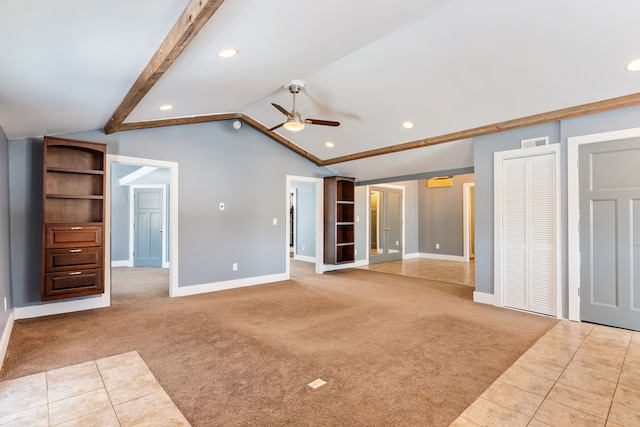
(275,221)
(437,245)
(303,248)
(235,266)
(221,206)
(5,303)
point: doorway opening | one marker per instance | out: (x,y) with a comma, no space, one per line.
(143,228)
(386,223)
(304,228)
(468,204)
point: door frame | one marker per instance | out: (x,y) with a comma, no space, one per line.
(319,187)
(165,224)
(173,216)
(573,208)
(498,156)
(466,219)
(368,216)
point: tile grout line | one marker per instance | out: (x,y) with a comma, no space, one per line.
(546,396)
(113,407)
(619,376)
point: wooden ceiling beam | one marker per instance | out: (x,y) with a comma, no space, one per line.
(194,17)
(536,119)
(179,121)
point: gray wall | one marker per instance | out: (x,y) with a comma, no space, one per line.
(120,213)
(305,215)
(5,250)
(441,216)
(25,200)
(242,168)
(484,147)
(483,160)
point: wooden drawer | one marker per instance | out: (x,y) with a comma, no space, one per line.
(73,236)
(74,283)
(67,259)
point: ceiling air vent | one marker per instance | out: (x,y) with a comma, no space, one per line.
(534,142)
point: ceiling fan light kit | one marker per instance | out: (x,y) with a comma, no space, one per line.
(294,122)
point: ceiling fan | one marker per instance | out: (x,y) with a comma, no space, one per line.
(294,122)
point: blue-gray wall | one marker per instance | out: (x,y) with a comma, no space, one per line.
(5,250)
(305,215)
(558,132)
(441,216)
(242,168)
(120,213)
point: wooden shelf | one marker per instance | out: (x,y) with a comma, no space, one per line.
(73,216)
(339,220)
(76,171)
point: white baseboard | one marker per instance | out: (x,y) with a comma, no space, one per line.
(304,258)
(483,298)
(183,291)
(6,334)
(443,257)
(331,267)
(411,256)
(123,263)
(48,309)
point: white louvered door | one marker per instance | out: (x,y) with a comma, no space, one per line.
(528,235)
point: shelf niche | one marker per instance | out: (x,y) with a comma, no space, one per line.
(339,220)
(73,218)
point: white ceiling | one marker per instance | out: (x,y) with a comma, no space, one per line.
(446,65)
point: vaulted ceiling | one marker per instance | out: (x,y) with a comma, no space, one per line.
(455,68)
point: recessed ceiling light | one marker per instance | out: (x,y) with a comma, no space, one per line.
(228,53)
(166,107)
(329,144)
(634,65)
(407,125)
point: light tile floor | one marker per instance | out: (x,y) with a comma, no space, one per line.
(115,391)
(459,273)
(578,374)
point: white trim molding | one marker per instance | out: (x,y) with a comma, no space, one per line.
(443,257)
(60,307)
(173,216)
(228,284)
(573,208)
(6,334)
(483,298)
(332,267)
(319,187)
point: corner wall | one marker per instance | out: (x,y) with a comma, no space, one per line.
(6,318)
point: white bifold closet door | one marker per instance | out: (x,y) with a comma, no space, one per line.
(528,246)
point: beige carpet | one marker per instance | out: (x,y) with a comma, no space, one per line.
(393,350)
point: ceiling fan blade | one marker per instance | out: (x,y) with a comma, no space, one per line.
(282,110)
(276,127)
(321,122)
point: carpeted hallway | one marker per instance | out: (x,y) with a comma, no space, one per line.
(393,350)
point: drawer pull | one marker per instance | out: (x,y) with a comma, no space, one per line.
(75,251)
(75,273)
(75,228)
